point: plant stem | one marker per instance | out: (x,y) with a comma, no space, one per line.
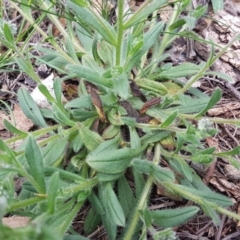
(213,119)
(188,195)
(25,203)
(144,196)
(80,187)
(120,31)
(208,64)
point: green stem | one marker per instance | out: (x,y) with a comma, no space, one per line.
(158,127)
(120,31)
(214,119)
(80,187)
(25,203)
(207,66)
(144,196)
(174,187)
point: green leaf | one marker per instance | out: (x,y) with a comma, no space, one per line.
(106,146)
(106,177)
(113,161)
(81,3)
(91,221)
(177,24)
(71,50)
(182,70)
(160,174)
(173,217)
(143,13)
(235,162)
(26,67)
(30,108)
(62,116)
(109,225)
(95,21)
(234,151)
(44,90)
(35,161)
(8,34)
(190,105)
(205,195)
(149,38)
(110,132)
(199,11)
(134,138)
(217,5)
(54,150)
(186,170)
(126,196)
(113,206)
(185,3)
(93,199)
(90,75)
(81,102)
(216,96)
(89,138)
(155,136)
(74,237)
(152,85)
(121,85)
(221,75)
(169,120)
(13,129)
(136,46)
(57,85)
(209,211)
(52,191)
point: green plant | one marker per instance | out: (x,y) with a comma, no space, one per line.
(130,106)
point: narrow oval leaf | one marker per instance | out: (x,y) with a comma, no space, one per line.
(205,195)
(53,151)
(121,85)
(13,129)
(35,161)
(169,120)
(209,211)
(91,221)
(8,34)
(89,138)
(177,24)
(62,116)
(52,191)
(113,206)
(141,14)
(173,217)
(96,22)
(126,196)
(30,108)
(217,95)
(113,161)
(89,74)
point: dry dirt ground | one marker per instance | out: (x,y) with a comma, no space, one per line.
(221,177)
